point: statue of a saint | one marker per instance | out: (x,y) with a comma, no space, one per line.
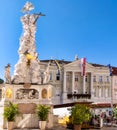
(7,74)
(47,74)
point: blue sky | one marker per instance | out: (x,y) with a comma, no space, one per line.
(87,28)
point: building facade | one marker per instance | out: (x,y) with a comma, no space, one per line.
(69,86)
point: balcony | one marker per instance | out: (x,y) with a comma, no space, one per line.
(79,96)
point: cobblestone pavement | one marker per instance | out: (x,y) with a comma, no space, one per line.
(59,127)
(64,128)
(106,128)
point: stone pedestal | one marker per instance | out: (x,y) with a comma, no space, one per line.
(27,98)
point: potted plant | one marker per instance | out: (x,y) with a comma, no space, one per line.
(80,114)
(10,113)
(42,113)
(115,112)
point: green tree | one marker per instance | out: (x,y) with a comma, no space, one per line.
(115,112)
(80,113)
(1,81)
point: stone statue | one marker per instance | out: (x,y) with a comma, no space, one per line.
(31,94)
(19,94)
(76,57)
(27,7)
(47,74)
(7,74)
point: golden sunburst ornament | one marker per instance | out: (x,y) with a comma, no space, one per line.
(30,57)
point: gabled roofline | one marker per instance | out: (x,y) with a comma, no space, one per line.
(114,72)
(59,61)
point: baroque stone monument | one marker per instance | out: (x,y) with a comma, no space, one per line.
(27,70)
(27,87)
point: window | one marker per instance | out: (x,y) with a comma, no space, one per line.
(116,82)
(76,78)
(50,76)
(116,95)
(102,91)
(68,77)
(58,76)
(86,79)
(107,78)
(99,91)
(94,92)
(100,79)
(94,78)
(106,92)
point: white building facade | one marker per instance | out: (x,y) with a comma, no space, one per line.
(70,86)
